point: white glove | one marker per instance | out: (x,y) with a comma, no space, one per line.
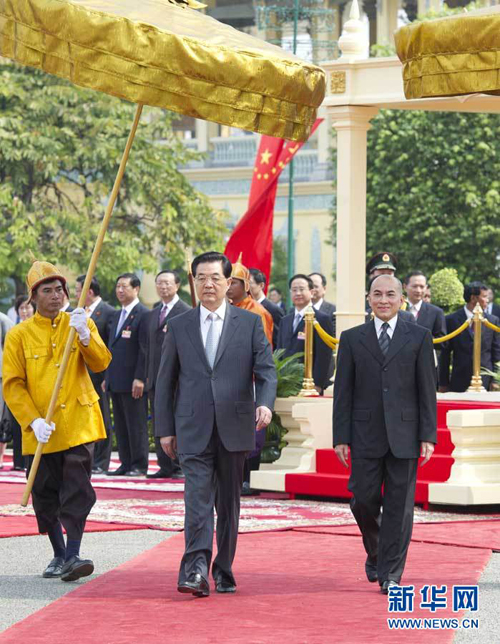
(78,320)
(42,430)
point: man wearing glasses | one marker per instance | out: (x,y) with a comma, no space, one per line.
(216,383)
(291,336)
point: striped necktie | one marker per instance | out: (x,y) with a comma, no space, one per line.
(383,339)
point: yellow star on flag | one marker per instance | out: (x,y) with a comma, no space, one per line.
(265,156)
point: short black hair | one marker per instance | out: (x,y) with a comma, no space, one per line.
(20,299)
(473,288)
(258,276)
(94,284)
(303,277)
(177,278)
(414,274)
(212,256)
(135,282)
(275,288)
(323,278)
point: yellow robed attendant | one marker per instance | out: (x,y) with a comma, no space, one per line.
(32,355)
(62,492)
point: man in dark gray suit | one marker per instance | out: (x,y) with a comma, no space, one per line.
(257,286)
(425,314)
(207,411)
(384,411)
(102,313)
(167,286)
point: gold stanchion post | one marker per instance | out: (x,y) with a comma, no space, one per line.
(308,389)
(476,384)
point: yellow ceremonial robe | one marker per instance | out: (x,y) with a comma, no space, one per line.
(32,355)
(249,304)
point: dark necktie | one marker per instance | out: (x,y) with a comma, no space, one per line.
(297,320)
(163,315)
(383,339)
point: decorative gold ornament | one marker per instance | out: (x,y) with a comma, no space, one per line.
(337,83)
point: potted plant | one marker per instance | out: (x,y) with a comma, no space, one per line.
(290,373)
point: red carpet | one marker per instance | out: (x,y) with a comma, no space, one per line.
(294,587)
(466,534)
(26,526)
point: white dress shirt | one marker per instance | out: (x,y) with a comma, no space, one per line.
(90,309)
(169,305)
(218,323)
(468,313)
(261,299)
(318,304)
(392,326)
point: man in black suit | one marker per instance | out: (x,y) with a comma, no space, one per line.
(102,314)
(492,308)
(276,297)
(427,315)
(257,286)
(216,383)
(384,411)
(292,337)
(462,346)
(126,377)
(167,286)
(318,296)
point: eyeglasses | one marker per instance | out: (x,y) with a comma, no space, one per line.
(204,279)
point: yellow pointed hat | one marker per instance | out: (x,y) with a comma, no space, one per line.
(43,272)
(241,272)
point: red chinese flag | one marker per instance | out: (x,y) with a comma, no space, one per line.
(253,234)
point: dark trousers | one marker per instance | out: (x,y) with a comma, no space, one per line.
(386,536)
(131,429)
(213,478)
(252,461)
(167,465)
(103,448)
(62,490)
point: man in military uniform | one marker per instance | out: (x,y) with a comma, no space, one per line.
(62,493)
(381,264)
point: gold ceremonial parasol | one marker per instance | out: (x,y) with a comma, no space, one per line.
(166,54)
(451,56)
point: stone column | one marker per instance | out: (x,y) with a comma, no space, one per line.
(351,124)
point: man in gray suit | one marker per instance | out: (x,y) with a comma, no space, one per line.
(206,412)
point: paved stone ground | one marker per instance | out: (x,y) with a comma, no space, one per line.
(23,590)
(489,608)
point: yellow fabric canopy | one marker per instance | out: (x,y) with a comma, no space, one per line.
(451,56)
(168,55)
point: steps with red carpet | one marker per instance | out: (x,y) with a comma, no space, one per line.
(331,478)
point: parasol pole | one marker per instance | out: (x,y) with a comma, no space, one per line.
(81,301)
(191,280)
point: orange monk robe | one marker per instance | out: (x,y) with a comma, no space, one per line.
(249,304)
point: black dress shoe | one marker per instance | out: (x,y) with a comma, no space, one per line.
(178,475)
(195,585)
(54,568)
(246,490)
(384,588)
(75,568)
(136,472)
(121,471)
(371,570)
(161,474)
(98,470)
(225,586)
(18,468)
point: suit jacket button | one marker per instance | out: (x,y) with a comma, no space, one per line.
(385,369)
(63,406)
(386,389)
